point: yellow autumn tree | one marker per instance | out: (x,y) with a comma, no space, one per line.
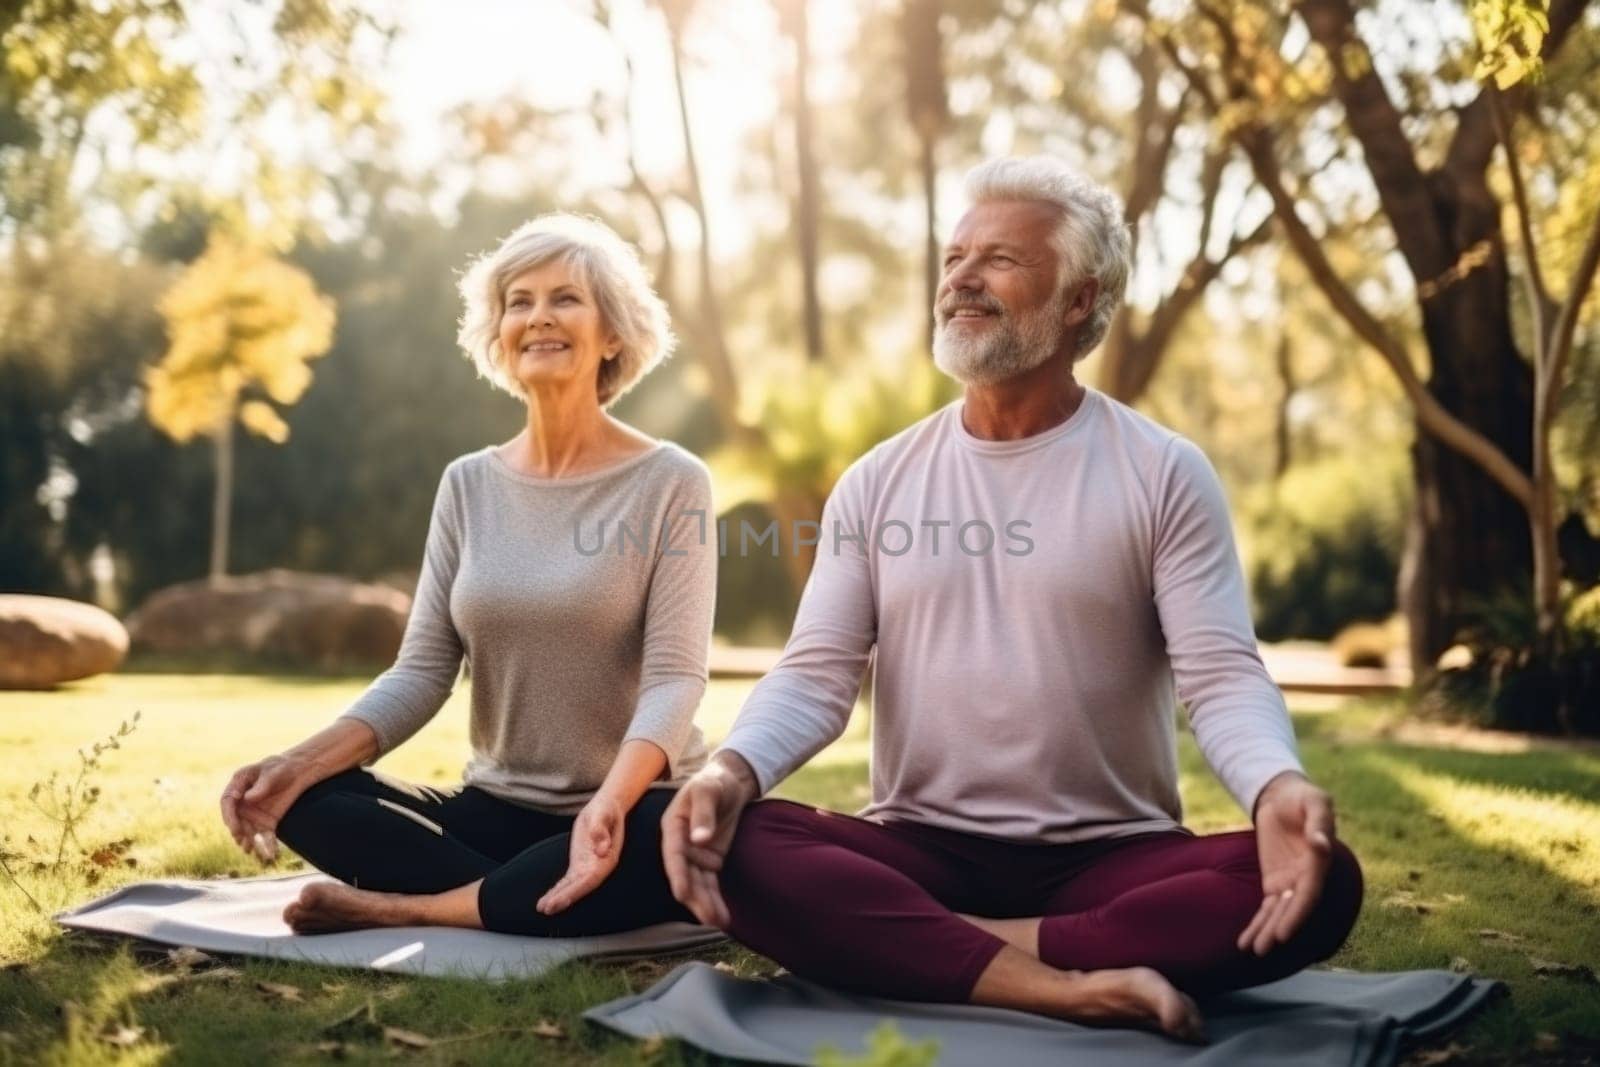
(242,327)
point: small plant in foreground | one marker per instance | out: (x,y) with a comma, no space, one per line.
(886,1047)
(67,802)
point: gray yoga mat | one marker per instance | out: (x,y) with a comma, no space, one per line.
(1315,1018)
(244,917)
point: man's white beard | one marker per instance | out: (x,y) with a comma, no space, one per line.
(1010,345)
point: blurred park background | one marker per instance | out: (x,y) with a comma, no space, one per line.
(229,239)
(229,236)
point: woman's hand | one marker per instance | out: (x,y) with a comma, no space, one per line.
(596,847)
(258,794)
(256,797)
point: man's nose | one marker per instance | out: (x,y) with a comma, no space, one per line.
(963,276)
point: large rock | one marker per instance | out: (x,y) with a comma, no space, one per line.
(46,640)
(282,617)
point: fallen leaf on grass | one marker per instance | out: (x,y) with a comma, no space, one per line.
(1578,972)
(110,854)
(122,1036)
(337,1049)
(652,1046)
(360,1025)
(151,983)
(406,1038)
(186,956)
(333,989)
(1404,898)
(1501,935)
(1430,1057)
(280,991)
(546,1028)
(646,970)
(1461,965)
(215,974)
(1544,1041)
(725,966)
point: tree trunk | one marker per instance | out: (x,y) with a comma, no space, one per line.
(807,221)
(714,350)
(222,504)
(927,106)
(931,259)
(1473,536)
(1281,454)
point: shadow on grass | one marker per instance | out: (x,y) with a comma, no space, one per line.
(63,1007)
(1432,889)
(1574,775)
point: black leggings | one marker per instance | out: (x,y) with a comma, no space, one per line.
(376,832)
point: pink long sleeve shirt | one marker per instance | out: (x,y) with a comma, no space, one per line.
(1038,607)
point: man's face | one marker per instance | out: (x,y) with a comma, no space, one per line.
(998,311)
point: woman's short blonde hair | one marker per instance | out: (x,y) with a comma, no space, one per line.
(611,269)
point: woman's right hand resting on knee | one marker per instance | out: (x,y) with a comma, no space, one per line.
(259,793)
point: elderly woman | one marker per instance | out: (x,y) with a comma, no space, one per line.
(586,665)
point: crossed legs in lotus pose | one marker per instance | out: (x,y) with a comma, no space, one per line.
(915,912)
(413,856)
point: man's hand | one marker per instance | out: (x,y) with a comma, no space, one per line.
(596,848)
(256,797)
(1294,839)
(697,830)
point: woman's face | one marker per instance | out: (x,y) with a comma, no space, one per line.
(551,333)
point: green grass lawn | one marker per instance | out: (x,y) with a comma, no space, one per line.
(1485,860)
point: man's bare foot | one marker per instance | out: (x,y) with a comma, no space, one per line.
(1136,996)
(1133,996)
(327,907)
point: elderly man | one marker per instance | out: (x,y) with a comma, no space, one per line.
(1023,847)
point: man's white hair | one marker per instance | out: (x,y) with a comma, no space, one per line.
(1092,239)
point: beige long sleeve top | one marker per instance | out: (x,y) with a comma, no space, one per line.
(582,606)
(1037,606)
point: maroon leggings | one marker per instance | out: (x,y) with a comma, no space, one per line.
(871,908)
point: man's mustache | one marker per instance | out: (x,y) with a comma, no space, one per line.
(950,305)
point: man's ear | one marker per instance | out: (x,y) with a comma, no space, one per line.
(1081,306)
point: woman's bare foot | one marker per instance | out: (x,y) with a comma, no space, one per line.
(326,907)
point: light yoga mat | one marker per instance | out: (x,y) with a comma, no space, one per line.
(1314,1019)
(245,917)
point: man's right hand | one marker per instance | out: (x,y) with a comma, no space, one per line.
(256,797)
(697,831)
